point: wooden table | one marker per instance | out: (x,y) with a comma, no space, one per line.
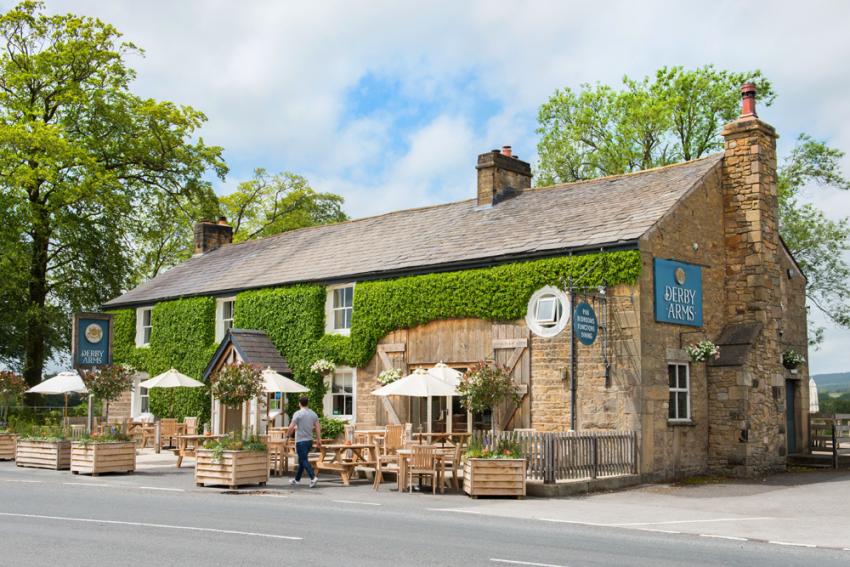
(183,449)
(405,454)
(372,435)
(344,458)
(279,451)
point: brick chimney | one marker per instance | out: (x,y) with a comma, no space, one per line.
(501,175)
(211,235)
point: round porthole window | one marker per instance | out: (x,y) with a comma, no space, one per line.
(548,312)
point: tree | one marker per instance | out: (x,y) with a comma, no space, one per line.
(271,204)
(653,122)
(678,116)
(79,153)
(484,387)
(817,243)
(107,383)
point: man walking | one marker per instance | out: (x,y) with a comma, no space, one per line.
(304,421)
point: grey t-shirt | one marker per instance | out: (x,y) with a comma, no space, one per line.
(305,422)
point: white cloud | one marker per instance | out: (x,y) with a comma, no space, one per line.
(274,77)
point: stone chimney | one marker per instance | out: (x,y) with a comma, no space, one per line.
(501,175)
(751,215)
(210,235)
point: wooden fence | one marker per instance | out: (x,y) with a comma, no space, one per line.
(830,433)
(571,455)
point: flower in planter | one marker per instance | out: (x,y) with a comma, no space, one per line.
(323,367)
(389,376)
(703,351)
(791,359)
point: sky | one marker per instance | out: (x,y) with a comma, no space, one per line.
(389,103)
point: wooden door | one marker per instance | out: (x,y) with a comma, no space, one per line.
(511,349)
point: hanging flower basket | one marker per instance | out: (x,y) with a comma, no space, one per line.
(792,360)
(703,351)
(323,367)
(389,376)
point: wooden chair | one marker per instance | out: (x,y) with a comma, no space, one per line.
(424,463)
(167,430)
(278,453)
(191,425)
(77,431)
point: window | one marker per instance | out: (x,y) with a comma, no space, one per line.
(144,400)
(144,326)
(548,312)
(223,316)
(680,392)
(339,307)
(340,394)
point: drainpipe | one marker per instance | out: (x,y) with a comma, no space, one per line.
(573,362)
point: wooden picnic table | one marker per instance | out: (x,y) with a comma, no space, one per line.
(184,450)
(372,435)
(344,458)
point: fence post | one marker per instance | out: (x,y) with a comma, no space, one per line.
(594,457)
(834,447)
(548,458)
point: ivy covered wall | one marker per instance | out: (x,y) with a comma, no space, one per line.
(294,316)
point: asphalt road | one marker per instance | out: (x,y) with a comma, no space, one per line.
(65,520)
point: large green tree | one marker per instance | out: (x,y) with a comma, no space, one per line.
(270,204)
(79,153)
(677,115)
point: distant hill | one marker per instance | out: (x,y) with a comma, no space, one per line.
(832,382)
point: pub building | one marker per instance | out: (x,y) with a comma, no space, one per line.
(615,278)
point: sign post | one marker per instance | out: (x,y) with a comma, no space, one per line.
(91,345)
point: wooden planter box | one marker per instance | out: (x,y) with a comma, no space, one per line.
(99,458)
(494,477)
(236,468)
(7,446)
(54,455)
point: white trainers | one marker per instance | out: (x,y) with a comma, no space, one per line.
(313,481)
(293,482)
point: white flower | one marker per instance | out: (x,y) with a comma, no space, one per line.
(389,376)
(323,366)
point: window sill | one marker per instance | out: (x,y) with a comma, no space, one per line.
(343,332)
(681,423)
(146,345)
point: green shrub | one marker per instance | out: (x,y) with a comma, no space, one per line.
(332,428)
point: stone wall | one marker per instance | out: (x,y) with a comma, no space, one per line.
(693,234)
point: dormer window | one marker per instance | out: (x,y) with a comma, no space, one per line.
(144,326)
(339,308)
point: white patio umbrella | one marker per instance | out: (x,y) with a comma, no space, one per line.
(171,379)
(68,382)
(814,404)
(450,376)
(419,384)
(445,373)
(274,382)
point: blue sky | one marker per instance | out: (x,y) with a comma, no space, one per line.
(388,103)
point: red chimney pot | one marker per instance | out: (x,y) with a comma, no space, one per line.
(506,151)
(748,100)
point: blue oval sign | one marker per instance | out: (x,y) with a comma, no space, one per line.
(585,325)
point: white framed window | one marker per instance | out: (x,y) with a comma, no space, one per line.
(144,326)
(341,394)
(679,379)
(144,400)
(339,308)
(224,309)
(548,312)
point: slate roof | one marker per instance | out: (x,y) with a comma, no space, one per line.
(607,212)
(254,347)
(735,343)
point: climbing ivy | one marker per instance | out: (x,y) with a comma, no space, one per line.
(294,316)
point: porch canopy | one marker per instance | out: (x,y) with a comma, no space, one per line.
(250,347)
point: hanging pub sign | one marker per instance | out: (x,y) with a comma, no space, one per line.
(585,325)
(678,293)
(91,339)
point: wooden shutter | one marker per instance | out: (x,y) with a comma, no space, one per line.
(511,349)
